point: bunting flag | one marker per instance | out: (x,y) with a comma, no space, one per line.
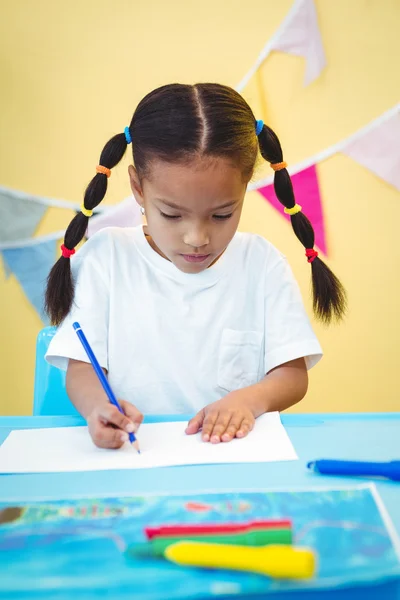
(378,149)
(302,37)
(17,196)
(306,189)
(298,35)
(375,147)
(18,218)
(29,258)
(21,213)
(31,266)
(125,214)
(7,271)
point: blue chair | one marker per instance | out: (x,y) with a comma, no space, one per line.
(50,396)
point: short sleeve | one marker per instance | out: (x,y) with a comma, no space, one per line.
(91,273)
(288,331)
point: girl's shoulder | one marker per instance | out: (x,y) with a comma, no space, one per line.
(100,245)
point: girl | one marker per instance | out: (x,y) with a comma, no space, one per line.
(186,314)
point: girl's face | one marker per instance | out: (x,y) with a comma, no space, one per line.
(192,211)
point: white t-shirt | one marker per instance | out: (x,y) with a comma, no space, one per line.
(173,342)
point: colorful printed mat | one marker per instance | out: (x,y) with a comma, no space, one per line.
(82,548)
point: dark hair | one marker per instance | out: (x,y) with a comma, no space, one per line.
(329,295)
(179,123)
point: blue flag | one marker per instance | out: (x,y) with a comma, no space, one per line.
(31,266)
(19,216)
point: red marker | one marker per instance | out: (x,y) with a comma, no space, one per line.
(215,528)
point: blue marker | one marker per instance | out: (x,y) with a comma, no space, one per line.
(102,378)
(390,470)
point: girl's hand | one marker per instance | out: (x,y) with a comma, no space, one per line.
(225,419)
(109,428)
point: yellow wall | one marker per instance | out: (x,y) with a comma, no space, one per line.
(71,75)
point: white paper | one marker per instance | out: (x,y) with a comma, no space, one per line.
(162,444)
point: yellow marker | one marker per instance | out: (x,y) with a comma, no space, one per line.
(277,561)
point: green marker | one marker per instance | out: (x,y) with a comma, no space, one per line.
(250,538)
(156,546)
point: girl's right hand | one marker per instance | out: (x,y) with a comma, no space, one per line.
(109,428)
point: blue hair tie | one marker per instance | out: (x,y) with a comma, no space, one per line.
(259,126)
(128,135)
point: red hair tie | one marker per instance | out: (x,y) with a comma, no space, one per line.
(66,252)
(311,254)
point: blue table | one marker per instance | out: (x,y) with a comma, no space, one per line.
(355,436)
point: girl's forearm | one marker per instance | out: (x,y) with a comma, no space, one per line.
(281,388)
(83,387)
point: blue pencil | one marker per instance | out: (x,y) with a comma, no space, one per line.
(102,378)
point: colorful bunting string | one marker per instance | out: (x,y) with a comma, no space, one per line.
(389,119)
(56,203)
(375,147)
(31,258)
(108,216)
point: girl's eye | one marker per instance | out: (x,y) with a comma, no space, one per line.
(174,217)
(222,217)
(169,216)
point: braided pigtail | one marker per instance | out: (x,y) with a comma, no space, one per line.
(60,286)
(329,295)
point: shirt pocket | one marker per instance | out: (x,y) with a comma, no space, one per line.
(239,359)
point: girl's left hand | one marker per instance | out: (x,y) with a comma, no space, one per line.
(224,419)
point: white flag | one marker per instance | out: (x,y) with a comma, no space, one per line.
(125,214)
(299,35)
(379,149)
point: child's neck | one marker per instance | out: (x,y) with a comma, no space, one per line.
(152,243)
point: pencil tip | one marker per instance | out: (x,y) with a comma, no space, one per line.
(136,446)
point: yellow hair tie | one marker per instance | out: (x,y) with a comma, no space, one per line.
(292,211)
(86,211)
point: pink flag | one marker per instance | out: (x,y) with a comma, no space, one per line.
(125,214)
(379,150)
(300,36)
(306,190)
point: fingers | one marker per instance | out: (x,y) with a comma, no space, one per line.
(109,428)
(219,427)
(232,428)
(226,426)
(245,426)
(208,425)
(109,414)
(106,436)
(132,413)
(196,423)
